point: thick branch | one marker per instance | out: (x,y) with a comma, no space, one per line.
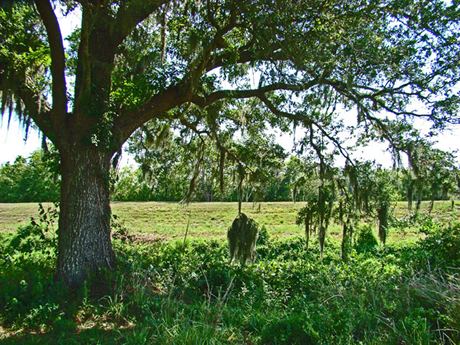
(179,94)
(173,96)
(57,56)
(96,54)
(37,108)
(201,65)
(204,101)
(130,14)
(130,120)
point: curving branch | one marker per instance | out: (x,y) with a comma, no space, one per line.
(308,122)
(174,95)
(57,56)
(158,105)
(204,101)
(201,64)
(130,14)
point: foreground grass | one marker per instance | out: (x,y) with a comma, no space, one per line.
(170,293)
(166,221)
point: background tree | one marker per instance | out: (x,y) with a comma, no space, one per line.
(383,195)
(441,177)
(300,174)
(258,162)
(431,173)
(353,193)
(29,180)
(132,60)
(242,158)
(167,160)
(129,185)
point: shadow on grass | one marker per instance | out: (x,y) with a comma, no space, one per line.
(90,336)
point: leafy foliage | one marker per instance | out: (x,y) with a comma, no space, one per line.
(27,263)
(365,240)
(171,292)
(28,180)
(24,57)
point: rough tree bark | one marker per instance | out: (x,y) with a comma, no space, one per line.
(84,224)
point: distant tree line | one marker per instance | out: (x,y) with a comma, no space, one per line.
(173,174)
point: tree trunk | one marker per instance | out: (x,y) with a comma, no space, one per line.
(344,246)
(84,242)
(418,205)
(410,196)
(383,215)
(307,230)
(240,195)
(322,238)
(430,208)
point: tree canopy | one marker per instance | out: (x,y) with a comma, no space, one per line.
(299,59)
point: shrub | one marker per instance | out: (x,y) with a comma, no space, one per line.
(28,261)
(170,293)
(292,329)
(440,248)
(38,235)
(264,236)
(365,239)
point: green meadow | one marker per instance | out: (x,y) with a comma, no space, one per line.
(153,221)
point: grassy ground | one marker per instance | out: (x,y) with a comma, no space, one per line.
(158,220)
(170,292)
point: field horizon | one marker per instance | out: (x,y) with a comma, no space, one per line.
(152,221)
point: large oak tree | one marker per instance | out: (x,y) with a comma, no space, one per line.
(131,61)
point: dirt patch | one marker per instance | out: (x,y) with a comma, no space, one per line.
(147,238)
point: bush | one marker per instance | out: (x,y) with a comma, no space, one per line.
(38,235)
(26,272)
(264,236)
(365,239)
(292,329)
(166,293)
(34,179)
(441,246)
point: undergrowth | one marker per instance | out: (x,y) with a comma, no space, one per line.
(188,293)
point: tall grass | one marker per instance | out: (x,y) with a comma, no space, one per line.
(188,293)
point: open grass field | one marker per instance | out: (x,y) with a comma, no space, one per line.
(165,221)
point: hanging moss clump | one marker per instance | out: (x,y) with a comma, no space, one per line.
(242,238)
